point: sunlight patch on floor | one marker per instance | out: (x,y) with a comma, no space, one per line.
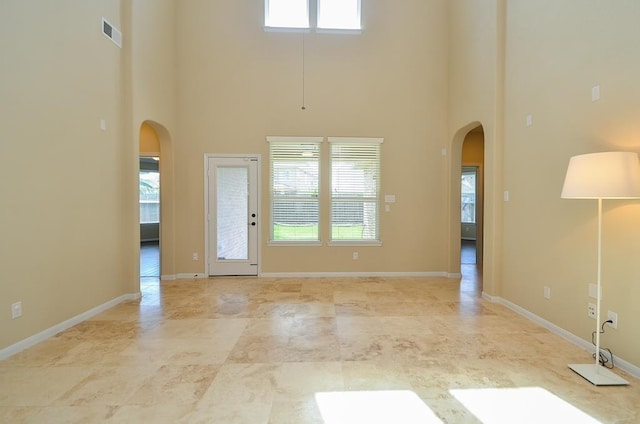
(374,407)
(520,405)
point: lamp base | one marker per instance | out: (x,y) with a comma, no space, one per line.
(598,375)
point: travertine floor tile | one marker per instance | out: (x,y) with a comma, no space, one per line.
(252,350)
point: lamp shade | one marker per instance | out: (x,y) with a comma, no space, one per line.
(606,175)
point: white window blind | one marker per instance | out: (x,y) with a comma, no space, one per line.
(294,188)
(355,188)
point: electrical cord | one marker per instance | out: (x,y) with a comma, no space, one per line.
(604,360)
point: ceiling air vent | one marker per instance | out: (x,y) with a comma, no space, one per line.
(111,32)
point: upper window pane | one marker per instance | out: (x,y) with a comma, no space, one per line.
(339,14)
(286,13)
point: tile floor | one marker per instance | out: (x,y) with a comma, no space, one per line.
(317,350)
(149,259)
(467,252)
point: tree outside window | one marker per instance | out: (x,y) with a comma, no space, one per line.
(149,197)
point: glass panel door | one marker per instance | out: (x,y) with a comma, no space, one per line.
(233,216)
(232,212)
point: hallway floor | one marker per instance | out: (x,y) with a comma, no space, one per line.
(149,259)
(313,350)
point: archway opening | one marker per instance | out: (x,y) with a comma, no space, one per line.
(156,220)
(149,203)
(467,207)
(472,197)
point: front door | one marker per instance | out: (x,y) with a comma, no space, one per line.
(232,215)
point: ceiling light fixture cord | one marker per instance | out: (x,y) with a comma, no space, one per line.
(303,102)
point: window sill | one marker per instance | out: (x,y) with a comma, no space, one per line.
(335,31)
(287,29)
(297,243)
(373,243)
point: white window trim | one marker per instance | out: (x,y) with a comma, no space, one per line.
(292,243)
(372,243)
(378,242)
(355,140)
(290,139)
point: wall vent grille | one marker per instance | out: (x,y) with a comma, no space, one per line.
(111,32)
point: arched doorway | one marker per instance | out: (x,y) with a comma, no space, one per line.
(472,196)
(155,146)
(149,202)
(467,206)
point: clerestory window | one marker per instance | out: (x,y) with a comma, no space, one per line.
(330,14)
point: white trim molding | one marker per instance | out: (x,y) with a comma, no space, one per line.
(192,276)
(289,139)
(350,274)
(626,366)
(355,139)
(52,331)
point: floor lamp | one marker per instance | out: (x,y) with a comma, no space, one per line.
(608,175)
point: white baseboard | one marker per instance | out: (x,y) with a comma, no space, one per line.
(52,331)
(195,275)
(182,276)
(626,366)
(188,276)
(351,274)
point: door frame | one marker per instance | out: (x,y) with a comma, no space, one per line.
(207,246)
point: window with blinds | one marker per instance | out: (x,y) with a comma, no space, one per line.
(295,183)
(355,188)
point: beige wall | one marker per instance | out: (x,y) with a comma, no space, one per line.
(473,148)
(149,141)
(551,241)
(476,67)
(208,79)
(154,98)
(60,77)
(238,84)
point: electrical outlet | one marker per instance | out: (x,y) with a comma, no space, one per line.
(355,256)
(194,256)
(591,310)
(16,310)
(613,317)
